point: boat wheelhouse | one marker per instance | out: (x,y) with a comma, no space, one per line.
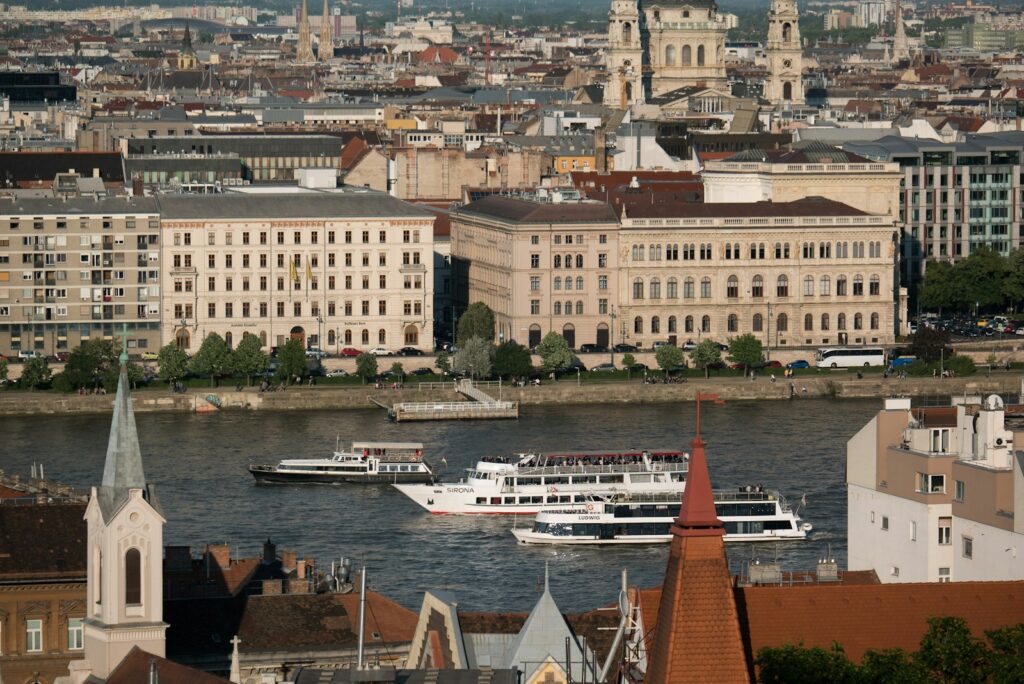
(748,516)
(529,483)
(364,463)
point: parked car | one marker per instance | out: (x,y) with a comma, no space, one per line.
(689,345)
(381,351)
(410,351)
(26,354)
(768,364)
(350,351)
(576,365)
(902,361)
(603,368)
(800,363)
(62,356)
(423,371)
(337,373)
(592,349)
(638,368)
(316,353)
(662,343)
(146,356)
(623,348)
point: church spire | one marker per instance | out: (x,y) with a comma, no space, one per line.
(123,467)
(325,50)
(900,48)
(304,51)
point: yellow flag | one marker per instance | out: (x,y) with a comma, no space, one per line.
(291,270)
(309,271)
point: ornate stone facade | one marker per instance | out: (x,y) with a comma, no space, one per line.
(785,62)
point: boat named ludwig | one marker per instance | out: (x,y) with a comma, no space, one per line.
(536,482)
(365,463)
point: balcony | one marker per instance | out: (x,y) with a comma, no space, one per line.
(413,268)
(183,270)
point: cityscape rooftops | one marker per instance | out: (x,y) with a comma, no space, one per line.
(334,204)
(519,210)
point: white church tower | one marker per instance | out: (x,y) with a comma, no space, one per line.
(624,56)
(125,547)
(785,61)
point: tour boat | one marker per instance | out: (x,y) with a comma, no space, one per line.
(529,483)
(364,463)
(749,515)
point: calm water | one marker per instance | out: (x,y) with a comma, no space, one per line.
(198,463)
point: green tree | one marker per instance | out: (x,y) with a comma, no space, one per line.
(961,365)
(791,664)
(213,358)
(474,357)
(248,358)
(891,665)
(291,362)
(444,363)
(113,373)
(930,344)
(35,372)
(705,354)
(554,352)
(173,362)
(366,366)
(938,289)
(90,362)
(951,654)
(668,356)
(1007,655)
(3,371)
(512,359)
(476,321)
(746,350)
(397,369)
(1013,283)
(979,279)
(628,361)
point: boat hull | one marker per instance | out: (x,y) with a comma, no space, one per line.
(273,477)
(527,536)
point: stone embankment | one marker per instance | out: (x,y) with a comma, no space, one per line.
(565,392)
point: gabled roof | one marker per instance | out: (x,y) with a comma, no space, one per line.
(135,668)
(525,211)
(42,542)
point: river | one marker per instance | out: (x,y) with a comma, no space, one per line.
(198,463)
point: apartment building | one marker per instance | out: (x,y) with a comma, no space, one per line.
(541,264)
(332,269)
(954,197)
(937,494)
(76,269)
(808,272)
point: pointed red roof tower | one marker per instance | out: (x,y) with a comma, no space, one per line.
(697,637)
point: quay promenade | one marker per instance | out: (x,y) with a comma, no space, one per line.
(564,392)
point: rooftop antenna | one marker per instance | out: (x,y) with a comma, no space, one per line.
(362,618)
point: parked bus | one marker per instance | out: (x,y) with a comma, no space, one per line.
(849,357)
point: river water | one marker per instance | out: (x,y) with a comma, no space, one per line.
(199,465)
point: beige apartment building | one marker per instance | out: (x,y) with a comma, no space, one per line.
(333,269)
(77,269)
(810,272)
(541,266)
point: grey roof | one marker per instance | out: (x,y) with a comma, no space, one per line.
(392,676)
(77,206)
(363,204)
(122,470)
(838,136)
(515,210)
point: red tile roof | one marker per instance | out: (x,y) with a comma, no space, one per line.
(135,669)
(42,541)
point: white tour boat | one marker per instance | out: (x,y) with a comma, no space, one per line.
(530,483)
(748,516)
(364,463)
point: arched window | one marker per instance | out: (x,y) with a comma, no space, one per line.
(365,337)
(787,91)
(627,33)
(655,288)
(670,55)
(874,286)
(655,325)
(133,577)
(688,324)
(348,337)
(635,253)
(558,283)
(705,288)
(858,321)
(331,339)
(757,324)
(382,336)
(688,288)
(685,56)
(568,282)
(568,308)
(787,32)
(733,323)
(732,287)
(824,321)
(753,250)
(808,322)
(263,338)
(826,286)
(638,325)
(558,261)
(808,286)
(757,287)
(672,289)
(568,261)
(579,308)
(579,282)
(782,286)
(700,55)
(782,323)
(874,321)
(672,325)
(638,288)
(705,324)
(840,286)
(558,308)
(579,261)
(858,285)
(228,339)
(841,322)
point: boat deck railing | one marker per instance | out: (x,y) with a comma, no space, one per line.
(593,469)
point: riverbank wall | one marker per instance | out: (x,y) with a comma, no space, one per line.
(565,392)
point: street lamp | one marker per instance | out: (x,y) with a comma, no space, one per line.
(611,335)
(577,376)
(320,331)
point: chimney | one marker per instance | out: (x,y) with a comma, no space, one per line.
(300,568)
(298,585)
(287,560)
(138,189)
(272,587)
(269,552)
(600,151)
(177,558)
(95,172)
(220,555)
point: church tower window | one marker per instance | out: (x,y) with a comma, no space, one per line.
(133,577)
(700,55)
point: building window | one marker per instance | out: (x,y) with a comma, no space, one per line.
(809,286)
(535,307)
(885,523)
(944,575)
(638,288)
(535,261)
(76,638)
(638,325)
(733,323)
(940,441)
(931,484)
(757,287)
(732,287)
(782,286)
(757,325)
(945,531)
(968,544)
(705,288)
(958,490)
(913,530)
(874,286)
(33,636)
(133,577)
(825,287)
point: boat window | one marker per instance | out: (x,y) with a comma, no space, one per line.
(640,477)
(510,499)
(581,479)
(481,499)
(552,480)
(536,499)
(529,481)
(611,478)
(743,508)
(495,500)
(564,499)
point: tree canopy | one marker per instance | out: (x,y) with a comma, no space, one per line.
(746,350)
(36,372)
(248,358)
(474,357)
(291,361)
(366,366)
(985,280)
(89,363)
(554,352)
(213,358)
(476,321)
(173,362)
(512,359)
(705,354)
(668,356)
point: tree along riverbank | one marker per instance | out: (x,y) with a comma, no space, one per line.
(565,391)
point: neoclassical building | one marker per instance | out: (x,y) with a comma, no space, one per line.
(656,46)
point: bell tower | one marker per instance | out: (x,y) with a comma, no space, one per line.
(624,59)
(125,551)
(785,62)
